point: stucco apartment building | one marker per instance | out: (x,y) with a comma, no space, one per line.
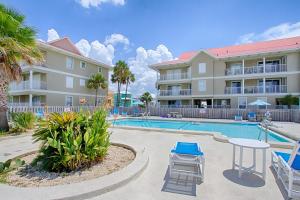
(60,80)
(231,76)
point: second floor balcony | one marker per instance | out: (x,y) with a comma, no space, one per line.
(25,85)
(174,76)
(182,92)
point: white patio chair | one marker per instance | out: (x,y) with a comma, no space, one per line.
(287,167)
(187,159)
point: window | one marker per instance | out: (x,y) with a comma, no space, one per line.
(69,82)
(202,85)
(69,63)
(242,102)
(202,68)
(82,82)
(100,69)
(69,101)
(265,99)
(82,65)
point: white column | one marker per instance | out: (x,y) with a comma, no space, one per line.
(264,85)
(264,63)
(30,99)
(30,79)
(243,65)
(243,86)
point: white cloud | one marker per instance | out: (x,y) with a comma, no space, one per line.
(146,77)
(284,30)
(52,35)
(117,38)
(97,3)
(96,50)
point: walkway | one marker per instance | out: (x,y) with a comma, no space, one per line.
(220,181)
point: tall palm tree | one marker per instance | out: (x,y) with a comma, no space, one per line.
(17,43)
(130,78)
(95,82)
(146,98)
(119,77)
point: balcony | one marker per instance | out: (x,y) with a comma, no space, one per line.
(235,71)
(25,85)
(176,76)
(268,89)
(183,92)
(233,90)
(258,69)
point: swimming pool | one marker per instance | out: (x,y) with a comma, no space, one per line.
(231,130)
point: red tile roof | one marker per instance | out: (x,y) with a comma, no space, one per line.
(243,49)
(257,47)
(65,44)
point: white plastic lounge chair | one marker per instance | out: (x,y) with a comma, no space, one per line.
(187,159)
(287,167)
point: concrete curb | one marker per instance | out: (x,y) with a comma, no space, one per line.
(84,189)
(216,135)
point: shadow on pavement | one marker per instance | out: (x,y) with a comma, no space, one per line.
(180,184)
(247,179)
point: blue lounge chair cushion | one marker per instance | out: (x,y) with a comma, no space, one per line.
(286,157)
(252,114)
(187,148)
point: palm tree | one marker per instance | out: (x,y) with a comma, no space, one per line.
(146,98)
(119,77)
(17,43)
(95,82)
(130,78)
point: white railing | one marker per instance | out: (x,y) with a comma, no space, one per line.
(176,76)
(233,90)
(275,68)
(254,69)
(182,92)
(276,89)
(269,68)
(25,85)
(234,71)
(253,89)
(268,89)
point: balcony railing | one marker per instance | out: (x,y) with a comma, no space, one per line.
(233,90)
(183,92)
(276,89)
(25,85)
(276,68)
(258,69)
(176,76)
(268,89)
(235,71)
(253,89)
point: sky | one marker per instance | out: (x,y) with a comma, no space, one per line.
(144,32)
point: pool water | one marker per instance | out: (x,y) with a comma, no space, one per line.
(231,130)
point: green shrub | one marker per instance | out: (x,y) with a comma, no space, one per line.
(10,165)
(71,141)
(22,121)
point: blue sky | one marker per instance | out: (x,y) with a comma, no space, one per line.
(143,32)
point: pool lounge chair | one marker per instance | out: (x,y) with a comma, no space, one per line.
(252,116)
(287,167)
(187,159)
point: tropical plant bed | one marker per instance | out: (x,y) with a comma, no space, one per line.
(30,176)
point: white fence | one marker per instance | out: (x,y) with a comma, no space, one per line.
(290,115)
(49,109)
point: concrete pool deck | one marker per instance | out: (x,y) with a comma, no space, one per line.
(221,182)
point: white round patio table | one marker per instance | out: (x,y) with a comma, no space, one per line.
(251,144)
